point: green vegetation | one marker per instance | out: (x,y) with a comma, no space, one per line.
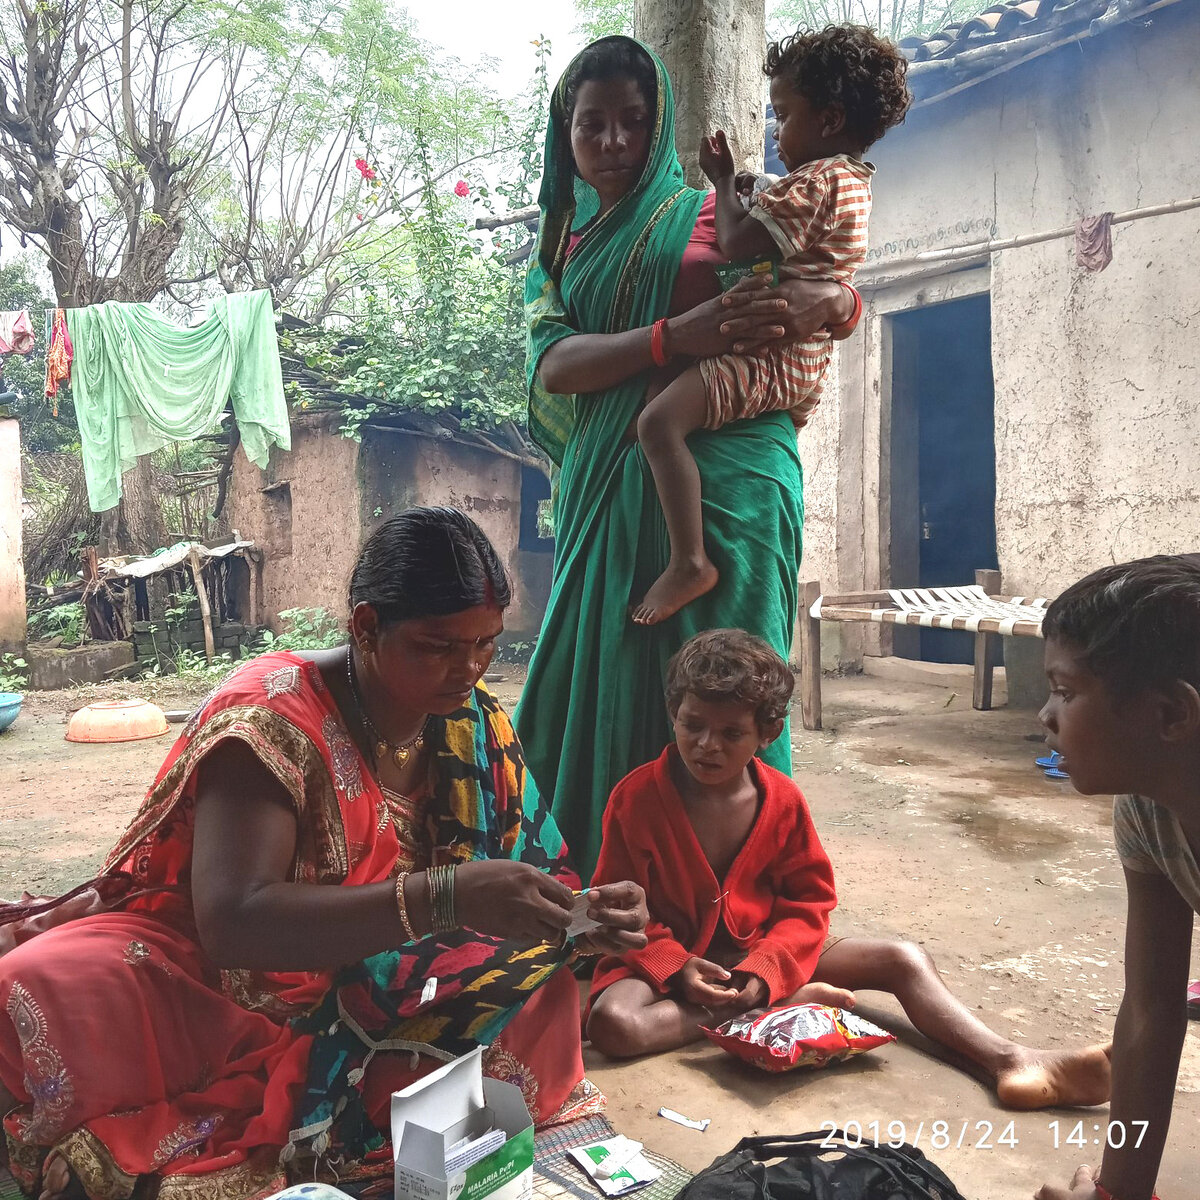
(14,673)
(306,629)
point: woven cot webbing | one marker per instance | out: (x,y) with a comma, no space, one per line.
(963,608)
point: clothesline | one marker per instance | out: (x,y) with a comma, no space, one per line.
(140,381)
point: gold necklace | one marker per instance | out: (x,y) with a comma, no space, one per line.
(400,753)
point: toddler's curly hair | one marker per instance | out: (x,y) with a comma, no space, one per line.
(730,664)
(850,65)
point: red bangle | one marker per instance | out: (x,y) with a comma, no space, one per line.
(846,328)
(658,343)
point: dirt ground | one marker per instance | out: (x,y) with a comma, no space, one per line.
(940,830)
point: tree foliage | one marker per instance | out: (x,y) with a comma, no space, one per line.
(154,146)
(338,152)
(603,18)
(41,431)
(157,150)
(440,325)
(896,18)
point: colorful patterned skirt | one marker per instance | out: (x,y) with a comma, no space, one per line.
(127,1058)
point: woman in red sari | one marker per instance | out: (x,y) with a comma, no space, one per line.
(333,885)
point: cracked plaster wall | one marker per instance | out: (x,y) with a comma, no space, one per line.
(1097,416)
(339,491)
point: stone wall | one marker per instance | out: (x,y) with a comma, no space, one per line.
(1097,425)
(12,571)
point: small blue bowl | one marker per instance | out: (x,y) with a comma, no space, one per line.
(10,705)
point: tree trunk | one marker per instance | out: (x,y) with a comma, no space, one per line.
(141,510)
(136,525)
(713,51)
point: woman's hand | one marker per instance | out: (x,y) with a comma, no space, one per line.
(743,183)
(621,911)
(1083,1187)
(511,900)
(710,329)
(758,313)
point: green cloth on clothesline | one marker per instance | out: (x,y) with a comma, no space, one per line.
(141,382)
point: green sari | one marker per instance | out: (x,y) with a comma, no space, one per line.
(593,705)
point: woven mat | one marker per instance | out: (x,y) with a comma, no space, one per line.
(8,1186)
(557,1176)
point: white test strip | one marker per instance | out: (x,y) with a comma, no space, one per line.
(580,921)
(687,1122)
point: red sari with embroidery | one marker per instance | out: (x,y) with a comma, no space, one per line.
(131,1054)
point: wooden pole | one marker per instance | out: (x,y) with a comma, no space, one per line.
(983,250)
(210,649)
(988,647)
(810,656)
(91,582)
(255,557)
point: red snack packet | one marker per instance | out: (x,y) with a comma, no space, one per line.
(797,1035)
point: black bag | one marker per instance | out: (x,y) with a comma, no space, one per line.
(802,1168)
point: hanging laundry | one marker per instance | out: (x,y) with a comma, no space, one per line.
(1093,242)
(58,357)
(140,382)
(16,334)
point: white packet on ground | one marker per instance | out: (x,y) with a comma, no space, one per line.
(634,1172)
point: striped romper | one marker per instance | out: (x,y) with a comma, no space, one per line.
(817,216)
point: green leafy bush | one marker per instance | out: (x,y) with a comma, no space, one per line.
(66,621)
(305,629)
(189,664)
(14,674)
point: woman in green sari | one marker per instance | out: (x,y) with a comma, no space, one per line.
(617,222)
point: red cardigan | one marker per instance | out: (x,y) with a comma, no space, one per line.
(775,899)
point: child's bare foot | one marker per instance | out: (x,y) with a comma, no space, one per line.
(59,1182)
(1064,1079)
(679,584)
(823,993)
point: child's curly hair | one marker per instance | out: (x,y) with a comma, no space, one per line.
(730,664)
(850,65)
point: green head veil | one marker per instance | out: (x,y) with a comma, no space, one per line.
(621,273)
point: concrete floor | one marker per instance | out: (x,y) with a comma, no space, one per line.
(940,830)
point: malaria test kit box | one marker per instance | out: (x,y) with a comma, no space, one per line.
(459,1136)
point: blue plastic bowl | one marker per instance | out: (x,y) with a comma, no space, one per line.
(10,705)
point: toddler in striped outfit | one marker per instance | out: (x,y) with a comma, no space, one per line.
(834,93)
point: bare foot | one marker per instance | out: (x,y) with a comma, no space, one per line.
(59,1182)
(1065,1079)
(823,993)
(679,584)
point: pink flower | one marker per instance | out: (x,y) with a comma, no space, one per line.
(364,168)
(462,188)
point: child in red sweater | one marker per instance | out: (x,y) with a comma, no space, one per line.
(740,890)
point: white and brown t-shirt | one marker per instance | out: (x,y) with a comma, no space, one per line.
(1151,840)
